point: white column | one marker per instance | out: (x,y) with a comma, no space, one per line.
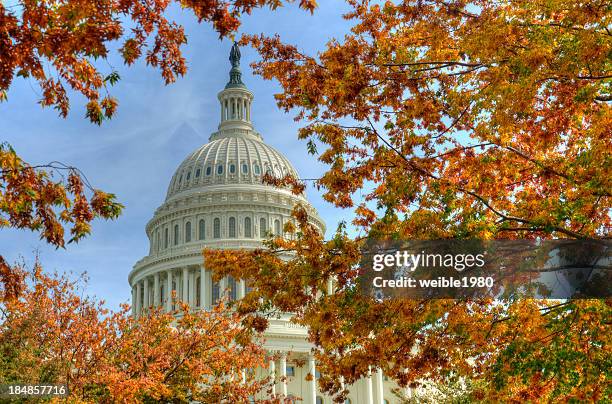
(408,392)
(169,290)
(185,296)
(209,283)
(379,387)
(137,302)
(156,290)
(369,395)
(341,382)
(273,376)
(203,290)
(222,286)
(283,373)
(241,289)
(133,301)
(313,382)
(146,294)
(192,289)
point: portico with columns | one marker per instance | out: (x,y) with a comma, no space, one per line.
(216,199)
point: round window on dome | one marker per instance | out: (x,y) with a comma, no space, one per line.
(220,169)
(256,169)
(208,170)
(188,175)
(232,169)
(245,168)
(198,171)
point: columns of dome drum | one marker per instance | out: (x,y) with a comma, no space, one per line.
(156,290)
(203,287)
(273,376)
(241,289)
(169,289)
(369,395)
(283,373)
(137,301)
(222,287)
(133,301)
(379,387)
(209,284)
(185,296)
(146,294)
(192,289)
(313,382)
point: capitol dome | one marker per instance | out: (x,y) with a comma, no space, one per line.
(217,199)
(236,158)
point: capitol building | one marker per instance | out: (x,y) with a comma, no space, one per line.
(216,199)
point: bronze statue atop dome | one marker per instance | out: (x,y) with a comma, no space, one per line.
(235,74)
(235,55)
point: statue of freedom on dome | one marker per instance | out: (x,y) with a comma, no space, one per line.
(235,55)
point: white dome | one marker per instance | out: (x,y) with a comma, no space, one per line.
(233,158)
(216,197)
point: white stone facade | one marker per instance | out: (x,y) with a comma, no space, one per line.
(216,199)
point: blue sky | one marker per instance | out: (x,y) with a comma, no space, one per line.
(134,155)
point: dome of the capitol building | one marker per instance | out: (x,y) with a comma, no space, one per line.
(216,199)
(228,159)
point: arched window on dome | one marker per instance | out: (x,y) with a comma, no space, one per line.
(176,234)
(268,170)
(277,227)
(208,171)
(247,228)
(245,168)
(220,169)
(263,228)
(188,176)
(166,237)
(201,230)
(217,228)
(198,172)
(188,232)
(256,169)
(232,227)
(232,168)
(233,288)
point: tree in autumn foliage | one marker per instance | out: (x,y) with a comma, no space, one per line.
(30,198)
(455,119)
(57,43)
(50,334)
